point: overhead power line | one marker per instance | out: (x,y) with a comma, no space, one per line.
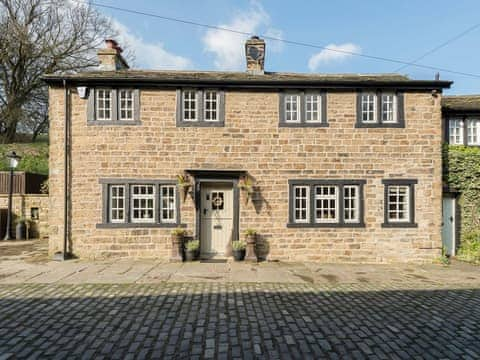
(290,42)
(438,47)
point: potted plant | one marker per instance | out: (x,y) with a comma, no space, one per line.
(184,184)
(192,249)
(250,235)
(238,250)
(177,244)
(246,185)
(21,228)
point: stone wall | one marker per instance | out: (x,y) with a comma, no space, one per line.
(253,141)
(22,206)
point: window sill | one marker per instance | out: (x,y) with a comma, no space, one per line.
(399,225)
(397,125)
(325,225)
(200,124)
(113,122)
(303,125)
(135,225)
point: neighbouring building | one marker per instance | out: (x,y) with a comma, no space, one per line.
(29,201)
(327,167)
(461,196)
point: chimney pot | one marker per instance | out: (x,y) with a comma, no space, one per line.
(255,55)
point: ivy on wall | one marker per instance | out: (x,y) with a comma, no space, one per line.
(461,172)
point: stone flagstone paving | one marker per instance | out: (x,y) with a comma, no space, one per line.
(221,320)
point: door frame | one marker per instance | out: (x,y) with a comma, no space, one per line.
(453,198)
(198,202)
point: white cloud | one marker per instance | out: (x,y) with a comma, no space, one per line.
(228,47)
(339,53)
(149,55)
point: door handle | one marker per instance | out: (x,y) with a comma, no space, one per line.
(451,218)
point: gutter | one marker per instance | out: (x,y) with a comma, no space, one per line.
(64,255)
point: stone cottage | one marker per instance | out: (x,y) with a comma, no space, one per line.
(324,167)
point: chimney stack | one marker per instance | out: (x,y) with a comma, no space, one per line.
(255,55)
(110,57)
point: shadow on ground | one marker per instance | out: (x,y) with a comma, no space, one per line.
(237,321)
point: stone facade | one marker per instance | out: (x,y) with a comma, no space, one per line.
(22,205)
(253,141)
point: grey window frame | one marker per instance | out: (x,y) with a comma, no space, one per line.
(115,119)
(312,183)
(200,101)
(399,182)
(400,123)
(303,123)
(127,223)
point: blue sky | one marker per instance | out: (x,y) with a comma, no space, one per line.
(401,30)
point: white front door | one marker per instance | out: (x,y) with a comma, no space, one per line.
(448,225)
(216,218)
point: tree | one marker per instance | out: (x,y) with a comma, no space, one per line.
(38,37)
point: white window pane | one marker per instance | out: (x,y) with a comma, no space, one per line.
(117,203)
(389,108)
(313,108)
(103,104)
(398,206)
(351,203)
(189,105)
(301,204)
(455,131)
(125,104)
(473,129)
(168,203)
(211,101)
(143,203)
(292,108)
(326,204)
(368,105)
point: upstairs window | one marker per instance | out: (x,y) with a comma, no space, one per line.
(323,203)
(463,131)
(380,109)
(303,109)
(200,107)
(113,106)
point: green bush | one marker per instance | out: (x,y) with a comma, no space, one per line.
(192,245)
(470,247)
(239,245)
(34,156)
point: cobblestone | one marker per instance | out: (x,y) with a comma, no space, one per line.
(263,321)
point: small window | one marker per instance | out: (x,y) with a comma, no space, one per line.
(303,109)
(292,108)
(200,107)
(168,203)
(113,106)
(143,203)
(189,105)
(455,131)
(380,109)
(301,204)
(473,132)
(326,204)
(117,203)
(332,203)
(369,108)
(104,105)
(399,203)
(126,105)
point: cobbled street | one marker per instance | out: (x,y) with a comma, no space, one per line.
(221,320)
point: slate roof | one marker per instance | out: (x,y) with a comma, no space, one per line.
(244,79)
(461,103)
